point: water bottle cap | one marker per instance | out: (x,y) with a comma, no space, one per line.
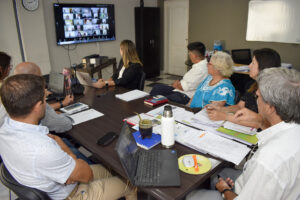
(168,111)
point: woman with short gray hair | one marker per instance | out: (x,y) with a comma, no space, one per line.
(216,87)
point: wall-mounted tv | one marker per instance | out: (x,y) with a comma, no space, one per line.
(82,23)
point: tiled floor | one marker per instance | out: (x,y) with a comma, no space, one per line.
(163,78)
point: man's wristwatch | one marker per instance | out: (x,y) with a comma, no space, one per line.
(61,104)
(223,192)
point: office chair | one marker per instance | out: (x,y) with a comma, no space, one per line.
(23,192)
(241,56)
(142,81)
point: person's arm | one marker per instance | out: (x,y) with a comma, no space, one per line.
(217,112)
(177,85)
(247,117)
(234,108)
(226,186)
(56,122)
(62,145)
(67,100)
(82,171)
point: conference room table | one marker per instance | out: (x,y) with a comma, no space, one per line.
(115,110)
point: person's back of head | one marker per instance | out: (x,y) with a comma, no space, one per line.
(5,60)
(27,68)
(20,93)
(129,53)
(267,58)
(198,48)
(280,87)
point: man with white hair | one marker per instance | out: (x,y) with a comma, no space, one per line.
(58,123)
(274,170)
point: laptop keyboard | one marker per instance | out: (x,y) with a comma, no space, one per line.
(148,168)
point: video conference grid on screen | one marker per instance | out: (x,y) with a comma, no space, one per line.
(82,22)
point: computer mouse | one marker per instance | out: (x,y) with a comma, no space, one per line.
(188,161)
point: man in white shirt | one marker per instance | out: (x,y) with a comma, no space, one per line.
(182,90)
(274,170)
(40,160)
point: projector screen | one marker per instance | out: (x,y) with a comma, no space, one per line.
(274,21)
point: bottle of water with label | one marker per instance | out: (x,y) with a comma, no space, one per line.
(168,127)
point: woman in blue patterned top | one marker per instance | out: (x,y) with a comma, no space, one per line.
(216,87)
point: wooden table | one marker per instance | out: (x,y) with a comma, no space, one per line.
(115,110)
(98,68)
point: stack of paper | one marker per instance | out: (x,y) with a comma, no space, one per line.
(210,143)
(202,118)
(85,116)
(240,128)
(132,95)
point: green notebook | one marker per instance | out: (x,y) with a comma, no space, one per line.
(248,138)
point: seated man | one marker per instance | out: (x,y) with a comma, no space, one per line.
(274,170)
(182,90)
(58,123)
(40,160)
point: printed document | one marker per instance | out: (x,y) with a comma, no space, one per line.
(132,95)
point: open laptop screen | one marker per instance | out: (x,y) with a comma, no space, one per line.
(56,83)
(127,151)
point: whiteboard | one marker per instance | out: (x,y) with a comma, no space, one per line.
(274,21)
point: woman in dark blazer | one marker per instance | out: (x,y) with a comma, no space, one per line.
(129,71)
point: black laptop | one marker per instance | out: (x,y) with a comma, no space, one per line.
(147,167)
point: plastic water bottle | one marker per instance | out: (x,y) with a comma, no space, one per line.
(217,45)
(168,127)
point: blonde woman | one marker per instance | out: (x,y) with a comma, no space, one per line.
(129,71)
(216,88)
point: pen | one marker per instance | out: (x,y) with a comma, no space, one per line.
(195,163)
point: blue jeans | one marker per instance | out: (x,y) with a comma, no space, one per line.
(77,153)
(167,91)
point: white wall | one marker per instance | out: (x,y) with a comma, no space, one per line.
(125,29)
(39,38)
(8,32)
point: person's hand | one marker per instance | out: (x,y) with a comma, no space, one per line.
(246,115)
(99,84)
(216,115)
(68,100)
(174,85)
(224,184)
(213,107)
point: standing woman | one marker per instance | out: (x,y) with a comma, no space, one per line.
(129,71)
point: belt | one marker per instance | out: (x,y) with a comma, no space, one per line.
(73,192)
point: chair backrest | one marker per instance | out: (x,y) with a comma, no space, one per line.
(142,81)
(241,56)
(23,192)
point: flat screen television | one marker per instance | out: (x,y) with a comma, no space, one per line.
(82,23)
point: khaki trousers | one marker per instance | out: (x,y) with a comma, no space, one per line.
(104,186)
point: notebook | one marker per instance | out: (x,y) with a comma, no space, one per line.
(147,168)
(146,143)
(84,78)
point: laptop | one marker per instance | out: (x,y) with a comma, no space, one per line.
(147,167)
(56,86)
(84,78)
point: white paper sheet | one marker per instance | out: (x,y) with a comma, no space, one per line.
(132,95)
(85,116)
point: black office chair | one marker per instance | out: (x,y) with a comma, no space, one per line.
(142,81)
(23,192)
(241,56)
